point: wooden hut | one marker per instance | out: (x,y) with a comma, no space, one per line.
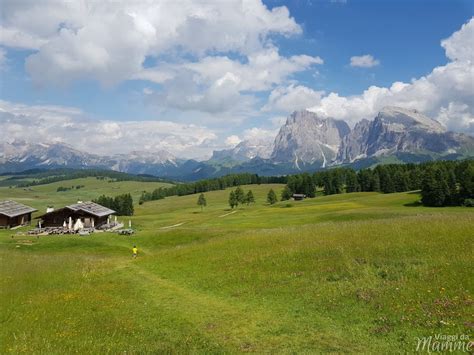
(299,197)
(89,213)
(14,214)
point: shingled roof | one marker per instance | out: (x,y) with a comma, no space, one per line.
(92,208)
(13,209)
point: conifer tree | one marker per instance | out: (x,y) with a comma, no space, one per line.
(249,198)
(271,197)
(202,201)
(434,191)
(239,195)
(286,194)
(232,200)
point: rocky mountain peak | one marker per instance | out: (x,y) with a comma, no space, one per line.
(399,131)
(401,119)
(246,150)
(307,139)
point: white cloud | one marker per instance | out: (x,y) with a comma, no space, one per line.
(459,46)
(260,134)
(232,141)
(216,84)
(445,94)
(291,98)
(210,56)
(70,125)
(364,61)
(109,40)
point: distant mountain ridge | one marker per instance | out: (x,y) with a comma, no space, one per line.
(305,142)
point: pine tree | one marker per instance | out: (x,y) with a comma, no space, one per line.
(352,184)
(375,182)
(202,201)
(435,190)
(271,197)
(327,184)
(453,196)
(286,194)
(232,200)
(465,177)
(249,198)
(400,181)
(308,186)
(364,176)
(239,195)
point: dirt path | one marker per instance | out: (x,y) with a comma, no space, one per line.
(173,226)
(227,214)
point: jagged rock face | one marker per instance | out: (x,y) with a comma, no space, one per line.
(246,150)
(354,145)
(307,139)
(397,130)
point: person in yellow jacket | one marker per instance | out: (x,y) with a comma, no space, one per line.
(135,251)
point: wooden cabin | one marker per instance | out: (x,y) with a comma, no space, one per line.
(91,215)
(299,197)
(14,214)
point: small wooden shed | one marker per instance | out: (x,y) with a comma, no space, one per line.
(299,197)
(14,214)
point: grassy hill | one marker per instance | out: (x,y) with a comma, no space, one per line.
(41,196)
(361,272)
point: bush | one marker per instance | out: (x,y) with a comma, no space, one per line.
(469,202)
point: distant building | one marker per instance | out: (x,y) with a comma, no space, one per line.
(299,197)
(90,214)
(14,214)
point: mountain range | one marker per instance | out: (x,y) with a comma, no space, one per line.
(305,142)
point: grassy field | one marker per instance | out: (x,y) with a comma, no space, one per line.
(42,196)
(361,272)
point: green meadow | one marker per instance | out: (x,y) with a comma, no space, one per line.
(359,272)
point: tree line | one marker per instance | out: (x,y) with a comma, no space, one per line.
(55,175)
(213,184)
(442,183)
(122,204)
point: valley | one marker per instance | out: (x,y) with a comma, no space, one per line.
(354,272)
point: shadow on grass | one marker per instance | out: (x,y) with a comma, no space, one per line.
(413,204)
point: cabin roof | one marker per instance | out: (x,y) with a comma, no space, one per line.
(92,208)
(14,209)
(299,195)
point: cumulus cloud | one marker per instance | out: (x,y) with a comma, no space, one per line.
(209,56)
(110,40)
(232,141)
(218,83)
(364,61)
(260,134)
(291,98)
(70,125)
(445,94)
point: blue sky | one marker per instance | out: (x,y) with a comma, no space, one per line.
(404,35)
(209,77)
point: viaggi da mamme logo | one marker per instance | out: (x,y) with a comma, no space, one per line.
(444,343)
